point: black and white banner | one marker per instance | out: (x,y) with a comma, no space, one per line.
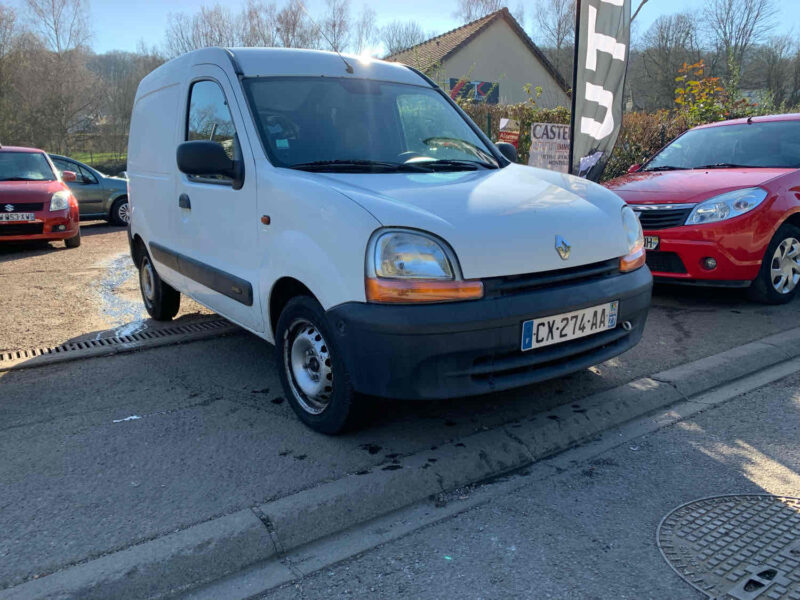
(601,58)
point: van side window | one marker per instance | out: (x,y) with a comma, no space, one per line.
(210,119)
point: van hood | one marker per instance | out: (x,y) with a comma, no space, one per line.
(689,186)
(498,222)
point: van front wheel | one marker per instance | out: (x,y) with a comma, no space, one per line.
(312,370)
(161,300)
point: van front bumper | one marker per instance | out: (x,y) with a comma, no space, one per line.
(466,348)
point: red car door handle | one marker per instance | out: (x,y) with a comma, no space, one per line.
(184,202)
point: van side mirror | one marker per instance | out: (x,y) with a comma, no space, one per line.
(68,176)
(634,168)
(507,150)
(209,158)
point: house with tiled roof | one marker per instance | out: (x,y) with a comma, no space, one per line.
(490,60)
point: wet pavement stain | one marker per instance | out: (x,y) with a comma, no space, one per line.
(124,313)
(371,448)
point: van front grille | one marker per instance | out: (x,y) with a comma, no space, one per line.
(497,287)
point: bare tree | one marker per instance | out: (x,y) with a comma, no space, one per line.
(669,42)
(258,24)
(556,20)
(211,26)
(366,30)
(520,15)
(470,10)
(735,25)
(295,29)
(771,67)
(64,24)
(336,25)
(8,21)
(399,35)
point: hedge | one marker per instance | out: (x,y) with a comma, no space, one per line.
(642,134)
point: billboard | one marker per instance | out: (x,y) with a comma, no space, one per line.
(602,47)
(549,147)
(477,91)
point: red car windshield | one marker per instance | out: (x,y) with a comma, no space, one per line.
(773,144)
(25,166)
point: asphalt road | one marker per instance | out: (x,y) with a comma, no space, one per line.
(587,532)
(105,453)
(52,294)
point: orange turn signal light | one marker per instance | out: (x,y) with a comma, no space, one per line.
(407,291)
(632,261)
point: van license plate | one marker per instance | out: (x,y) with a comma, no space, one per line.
(537,333)
(16,217)
(651,242)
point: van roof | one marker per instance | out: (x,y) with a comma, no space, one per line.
(270,62)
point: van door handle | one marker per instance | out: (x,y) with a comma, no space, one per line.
(184,202)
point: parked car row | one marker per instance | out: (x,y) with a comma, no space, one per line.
(43,197)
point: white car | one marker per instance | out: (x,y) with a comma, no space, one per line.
(350,213)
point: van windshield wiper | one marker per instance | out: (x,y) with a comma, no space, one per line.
(456,165)
(666,168)
(360,166)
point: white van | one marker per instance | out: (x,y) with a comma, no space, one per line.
(349,212)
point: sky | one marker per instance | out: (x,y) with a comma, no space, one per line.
(122,24)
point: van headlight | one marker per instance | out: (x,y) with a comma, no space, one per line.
(726,206)
(634,239)
(59,201)
(407,266)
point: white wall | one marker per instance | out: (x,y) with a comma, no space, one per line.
(498,54)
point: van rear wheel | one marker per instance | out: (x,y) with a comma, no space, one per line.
(312,370)
(161,300)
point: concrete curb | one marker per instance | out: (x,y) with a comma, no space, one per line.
(174,563)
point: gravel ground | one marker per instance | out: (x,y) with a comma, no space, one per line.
(52,295)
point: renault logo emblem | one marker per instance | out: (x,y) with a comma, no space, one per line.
(562,247)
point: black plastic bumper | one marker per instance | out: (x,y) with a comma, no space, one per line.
(473,347)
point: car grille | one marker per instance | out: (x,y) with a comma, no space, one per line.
(662,216)
(21,229)
(665,262)
(24,207)
(497,287)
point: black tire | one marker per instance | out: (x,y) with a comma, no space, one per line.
(337,408)
(161,300)
(762,289)
(118,214)
(74,241)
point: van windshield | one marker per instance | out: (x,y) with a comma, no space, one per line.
(358,125)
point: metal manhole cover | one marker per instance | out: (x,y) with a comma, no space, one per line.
(736,547)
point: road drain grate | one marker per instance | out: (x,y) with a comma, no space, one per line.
(736,547)
(173,334)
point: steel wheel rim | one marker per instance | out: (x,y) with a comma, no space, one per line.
(308,364)
(147,281)
(785,266)
(124,212)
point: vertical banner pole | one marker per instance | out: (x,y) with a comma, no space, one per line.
(573,116)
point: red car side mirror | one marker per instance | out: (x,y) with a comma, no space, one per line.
(634,168)
(68,176)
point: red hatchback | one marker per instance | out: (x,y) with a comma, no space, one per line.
(35,204)
(720,205)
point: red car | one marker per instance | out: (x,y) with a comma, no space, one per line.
(35,203)
(720,206)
